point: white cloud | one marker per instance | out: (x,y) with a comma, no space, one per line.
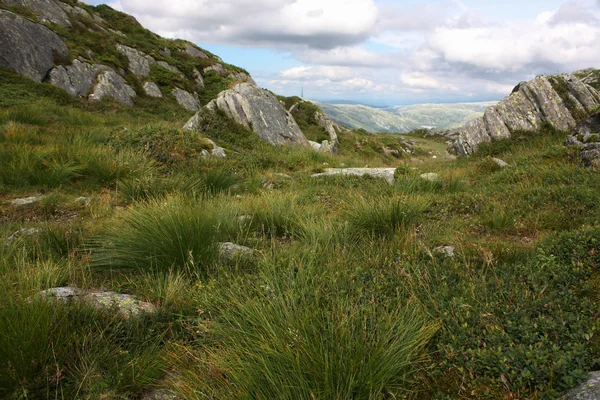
(312,23)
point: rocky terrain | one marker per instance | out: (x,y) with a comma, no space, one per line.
(169,230)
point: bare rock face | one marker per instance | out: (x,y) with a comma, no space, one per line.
(47,11)
(242,77)
(384,173)
(218,68)
(28,48)
(194,51)
(559,100)
(187,100)
(78,78)
(586,136)
(588,390)
(260,111)
(199,79)
(331,145)
(152,90)
(139,63)
(112,85)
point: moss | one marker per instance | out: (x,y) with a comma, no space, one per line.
(213,85)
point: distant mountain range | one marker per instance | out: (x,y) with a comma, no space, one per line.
(401,119)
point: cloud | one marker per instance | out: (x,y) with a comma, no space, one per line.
(264,23)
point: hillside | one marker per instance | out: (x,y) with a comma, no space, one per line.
(402,119)
(253,250)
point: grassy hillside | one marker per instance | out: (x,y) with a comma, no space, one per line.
(345,297)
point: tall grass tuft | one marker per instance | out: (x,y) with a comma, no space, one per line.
(176,232)
(383,217)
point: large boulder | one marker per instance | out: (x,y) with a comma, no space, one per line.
(260,111)
(112,85)
(28,48)
(152,90)
(139,63)
(78,78)
(194,51)
(47,11)
(558,100)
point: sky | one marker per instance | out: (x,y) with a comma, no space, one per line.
(385,52)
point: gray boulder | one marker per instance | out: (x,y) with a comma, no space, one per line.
(233,252)
(28,48)
(529,106)
(588,390)
(586,136)
(78,78)
(331,145)
(22,233)
(187,100)
(125,304)
(216,152)
(199,79)
(500,163)
(112,85)
(242,77)
(47,11)
(139,63)
(25,201)
(384,173)
(74,10)
(218,68)
(194,51)
(259,110)
(431,177)
(446,251)
(152,90)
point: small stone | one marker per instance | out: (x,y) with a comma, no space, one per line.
(86,201)
(447,251)
(160,395)
(431,177)
(284,176)
(267,184)
(500,163)
(232,252)
(26,201)
(22,233)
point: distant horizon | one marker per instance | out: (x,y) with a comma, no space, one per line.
(381,106)
(385,52)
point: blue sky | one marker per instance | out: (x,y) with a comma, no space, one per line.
(385,52)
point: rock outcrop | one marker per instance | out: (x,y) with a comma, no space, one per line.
(47,11)
(187,100)
(139,63)
(558,100)
(260,111)
(194,51)
(331,145)
(28,48)
(588,390)
(152,90)
(385,173)
(77,79)
(586,136)
(112,85)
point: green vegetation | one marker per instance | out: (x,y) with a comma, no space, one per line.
(345,297)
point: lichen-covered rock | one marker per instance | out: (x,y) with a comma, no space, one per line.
(431,177)
(260,111)
(187,100)
(500,163)
(242,77)
(47,11)
(558,100)
(112,85)
(217,152)
(586,136)
(385,173)
(139,63)
(74,10)
(233,252)
(152,90)
(78,78)
(331,145)
(170,67)
(218,68)
(125,304)
(194,51)
(446,251)
(588,390)
(28,48)
(25,201)
(199,79)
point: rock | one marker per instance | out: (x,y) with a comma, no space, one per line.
(77,79)
(331,145)
(431,177)
(558,100)
(267,184)
(217,152)
(152,90)
(112,85)
(26,201)
(74,10)
(199,79)
(28,48)
(22,233)
(446,251)
(160,395)
(165,52)
(139,63)
(170,67)
(47,11)
(588,390)
(384,173)
(242,77)
(294,108)
(232,252)
(283,176)
(500,163)
(86,201)
(187,100)
(218,68)
(590,76)
(260,111)
(586,136)
(194,51)
(125,304)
